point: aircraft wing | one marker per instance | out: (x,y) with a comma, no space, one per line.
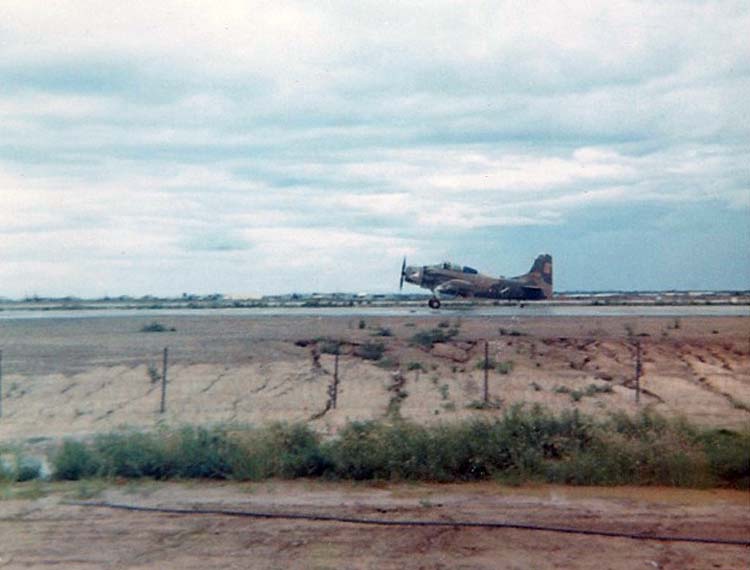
(455,287)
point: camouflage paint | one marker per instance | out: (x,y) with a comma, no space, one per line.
(447,279)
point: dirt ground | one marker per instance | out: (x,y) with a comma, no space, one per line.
(42,530)
(77,377)
(82,376)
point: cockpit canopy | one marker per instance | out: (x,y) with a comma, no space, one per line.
(455,267)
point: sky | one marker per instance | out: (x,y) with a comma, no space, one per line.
(272,147)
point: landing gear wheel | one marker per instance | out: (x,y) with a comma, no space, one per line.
(434,303)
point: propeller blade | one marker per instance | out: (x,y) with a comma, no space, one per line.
(403,274)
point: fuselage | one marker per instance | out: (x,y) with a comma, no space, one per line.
(447,279)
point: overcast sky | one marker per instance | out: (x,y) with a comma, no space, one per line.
(260,147)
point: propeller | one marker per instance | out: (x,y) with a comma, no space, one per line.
(403,274)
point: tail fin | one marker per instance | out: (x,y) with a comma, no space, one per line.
(541,274)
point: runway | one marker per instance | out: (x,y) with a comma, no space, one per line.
(545,310)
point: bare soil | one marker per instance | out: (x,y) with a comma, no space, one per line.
(45,531)
(77,377)
(82,376)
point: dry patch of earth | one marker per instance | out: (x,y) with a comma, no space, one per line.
(83,376)
(45,531)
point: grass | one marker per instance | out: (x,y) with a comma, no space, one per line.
(524,444)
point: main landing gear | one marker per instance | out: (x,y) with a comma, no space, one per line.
(434,303)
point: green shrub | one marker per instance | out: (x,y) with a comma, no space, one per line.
(74,461)
(28,469)
(728,455)
(359,452)
(521,445)
(7,473)
(298,450)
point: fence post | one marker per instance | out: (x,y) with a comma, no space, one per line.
(1,383)
(486,371)
(335,394)
(163,406)
(638,371)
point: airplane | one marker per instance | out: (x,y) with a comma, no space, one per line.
(456,281)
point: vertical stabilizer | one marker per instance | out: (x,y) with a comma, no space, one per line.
(541,274)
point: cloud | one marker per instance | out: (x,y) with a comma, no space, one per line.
(327,138)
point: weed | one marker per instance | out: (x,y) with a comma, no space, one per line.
(591,390)
(444,390)
(387,362)
(362,324)
(370,350)
(153,373)
(502,367)
(482,405)
(329,346)
(382,331)
(427,338)
(394,404)
(156,327)
(511,332)
(415,366)
(505,367)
